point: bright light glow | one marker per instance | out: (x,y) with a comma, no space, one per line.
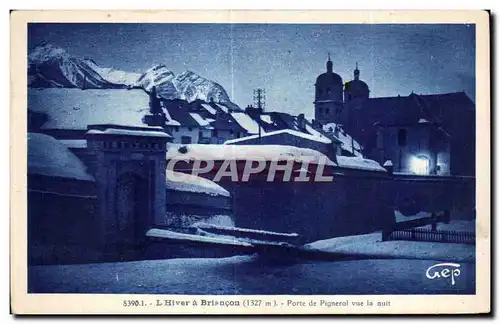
(419,165)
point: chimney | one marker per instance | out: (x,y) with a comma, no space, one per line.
(301,120)
(336,130)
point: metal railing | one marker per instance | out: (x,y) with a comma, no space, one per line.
(429,235)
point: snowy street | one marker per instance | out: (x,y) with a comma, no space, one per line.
(248,275)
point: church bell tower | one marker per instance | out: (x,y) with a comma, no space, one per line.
(329,95)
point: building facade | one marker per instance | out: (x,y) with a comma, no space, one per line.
(418,134)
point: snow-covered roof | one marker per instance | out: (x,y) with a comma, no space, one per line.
(128,132)
(74,143)
(169,120)
(76,108)
(266,118)
(321,139)
(356,162)
(200,120)
(49,157)
(223,108)
(247,122)
(190,183)
(388,163)
(347,142)
(218,152)
(209,108)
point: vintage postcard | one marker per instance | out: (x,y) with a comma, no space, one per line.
(250,162)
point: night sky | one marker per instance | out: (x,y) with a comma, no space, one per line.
(285,59)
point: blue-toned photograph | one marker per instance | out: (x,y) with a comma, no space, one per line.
(251,159)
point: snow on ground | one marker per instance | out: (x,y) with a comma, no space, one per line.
(248,275)
(456,225)
(321,139)
(76,108)
(246,152)
(247,122)
(190,183)
(355,162)
(47,156)
(372,244)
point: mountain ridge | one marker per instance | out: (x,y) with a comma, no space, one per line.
(50,66)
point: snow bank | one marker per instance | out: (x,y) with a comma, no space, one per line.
(321,139)
(246,152)
(47,156)
(161,233)
(190,183)
(403,218)
(372,244)
(355,162)
(247,122)
(76,108)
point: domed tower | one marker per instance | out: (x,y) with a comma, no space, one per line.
(329,95)
(356,88)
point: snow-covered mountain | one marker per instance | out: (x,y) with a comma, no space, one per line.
(113,75)
(187,86)
(191,86)
(50,67)
(159,76)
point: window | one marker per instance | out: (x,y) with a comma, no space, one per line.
(320,110)
(420,165)
(402,137)
(185,139)
(214,133)
(190,129)
(327,111)
(176,128)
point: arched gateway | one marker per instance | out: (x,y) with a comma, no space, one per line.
(129,168)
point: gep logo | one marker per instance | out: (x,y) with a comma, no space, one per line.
(444,270)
